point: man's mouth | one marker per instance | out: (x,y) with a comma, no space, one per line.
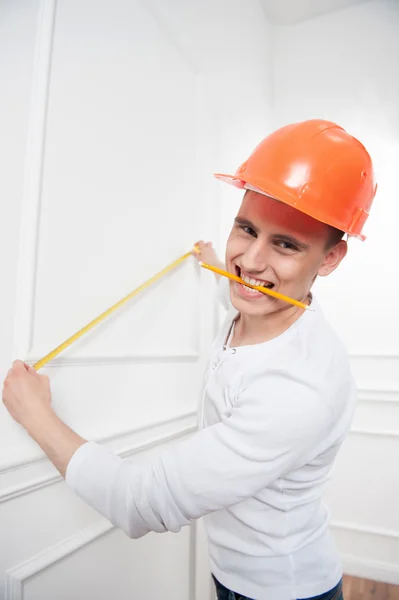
(259,282)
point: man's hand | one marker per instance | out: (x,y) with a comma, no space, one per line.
(27,397)
(205,252)
(26,394)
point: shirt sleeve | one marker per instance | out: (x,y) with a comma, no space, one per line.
(279,423)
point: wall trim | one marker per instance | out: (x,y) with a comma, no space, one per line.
(374,432)
(383,355)
(16,576)
(84,361)
(42,473)
(31,203)
(363,529)
(26,269)
(378,395)
(124,444)
(362,567)
(202,584)
(371,569)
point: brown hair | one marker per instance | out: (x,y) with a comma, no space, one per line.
(334,236)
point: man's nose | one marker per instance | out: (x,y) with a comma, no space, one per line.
(256,258)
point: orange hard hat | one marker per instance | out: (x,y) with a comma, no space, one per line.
(316,167)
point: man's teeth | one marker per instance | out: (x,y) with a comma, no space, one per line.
(251,281)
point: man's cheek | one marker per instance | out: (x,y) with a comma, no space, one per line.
(288,272)
(231,252)
(236,246)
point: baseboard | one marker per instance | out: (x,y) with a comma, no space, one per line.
(370,569)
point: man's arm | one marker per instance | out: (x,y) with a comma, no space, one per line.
(27,397)
(277,424)
(55,438)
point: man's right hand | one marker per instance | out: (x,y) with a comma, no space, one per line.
(205,252)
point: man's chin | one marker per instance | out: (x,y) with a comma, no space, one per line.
(252,307)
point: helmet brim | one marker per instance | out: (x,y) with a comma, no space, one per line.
(243,185)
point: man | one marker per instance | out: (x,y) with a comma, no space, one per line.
(279,396)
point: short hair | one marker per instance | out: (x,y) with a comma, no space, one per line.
(334,236)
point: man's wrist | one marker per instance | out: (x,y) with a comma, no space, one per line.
(41,422)
(55,438)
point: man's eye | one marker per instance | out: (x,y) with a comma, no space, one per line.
(286,245)
(248,230)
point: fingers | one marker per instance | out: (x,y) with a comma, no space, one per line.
(196,251)
(197,247)
(200,247)
(18,366)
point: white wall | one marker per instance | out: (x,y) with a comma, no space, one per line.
(237,67)
(114,115)
(343,67)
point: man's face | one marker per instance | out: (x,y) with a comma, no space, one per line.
(277,246)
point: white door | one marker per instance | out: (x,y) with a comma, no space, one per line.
(109,112)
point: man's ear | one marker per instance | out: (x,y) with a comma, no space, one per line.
(333,258)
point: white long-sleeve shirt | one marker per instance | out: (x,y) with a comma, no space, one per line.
(274,416)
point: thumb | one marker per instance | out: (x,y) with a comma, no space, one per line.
(30,369)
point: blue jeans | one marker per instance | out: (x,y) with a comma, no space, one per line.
(225,594)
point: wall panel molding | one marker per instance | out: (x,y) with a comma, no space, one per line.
(371,569)
(382,355)
(31,206)
(115,359)
(26,273)
(378,395)
(377,413)
(364,567)
(202,584)
(19,479)
(16,577)
(374,432)
(363,529)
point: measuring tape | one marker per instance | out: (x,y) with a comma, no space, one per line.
(40,363)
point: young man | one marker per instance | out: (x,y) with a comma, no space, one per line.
(279,396)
